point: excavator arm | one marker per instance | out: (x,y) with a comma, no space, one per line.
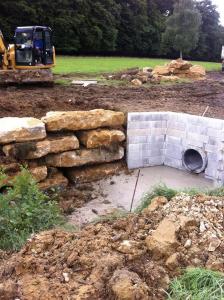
(3,53)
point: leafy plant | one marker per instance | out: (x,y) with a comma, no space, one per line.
(24,210)
(197,284)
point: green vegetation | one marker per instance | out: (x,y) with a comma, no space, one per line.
(185,16)
(96,65)
(169,193)
(24,210)
(114,27)
(118,214)
(198,284)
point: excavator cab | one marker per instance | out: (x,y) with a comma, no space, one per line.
(33,47)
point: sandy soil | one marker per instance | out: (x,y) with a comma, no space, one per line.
(188,97)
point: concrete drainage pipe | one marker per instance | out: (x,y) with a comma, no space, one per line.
(194,160)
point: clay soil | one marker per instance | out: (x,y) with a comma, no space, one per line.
(122,259)
(190,98)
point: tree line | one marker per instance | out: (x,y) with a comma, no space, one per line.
(117,27)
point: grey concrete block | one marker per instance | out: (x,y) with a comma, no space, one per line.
(173,140)
(201,130)
(176,133)
(174,163)
(153,161)
(137,139)
(213,132)
(173,151)
(177,125)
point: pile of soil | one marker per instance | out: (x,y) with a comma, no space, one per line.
(130,258)
(190,98)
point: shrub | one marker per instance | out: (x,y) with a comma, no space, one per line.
(197,284)
(24,210)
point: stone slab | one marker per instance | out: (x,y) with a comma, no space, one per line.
(21,130)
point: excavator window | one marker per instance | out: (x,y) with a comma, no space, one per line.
(33,46)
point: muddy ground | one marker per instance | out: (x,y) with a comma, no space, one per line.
(183,97)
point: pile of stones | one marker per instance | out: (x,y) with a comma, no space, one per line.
(62,146)
(177,69)
(171,72)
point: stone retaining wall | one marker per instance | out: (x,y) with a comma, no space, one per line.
(161,138)
(61,140)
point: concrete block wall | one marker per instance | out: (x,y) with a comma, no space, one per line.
(161,138)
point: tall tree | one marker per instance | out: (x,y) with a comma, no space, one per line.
(182,27)
(211,33)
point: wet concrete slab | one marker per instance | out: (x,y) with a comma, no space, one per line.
(124,192)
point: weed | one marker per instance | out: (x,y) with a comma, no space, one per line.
(197,284)
(24,210)
(158,190)
(119,214)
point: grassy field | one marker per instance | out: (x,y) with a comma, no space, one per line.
(72,64)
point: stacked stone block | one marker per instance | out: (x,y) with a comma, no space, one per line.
(61,140)
(160,138)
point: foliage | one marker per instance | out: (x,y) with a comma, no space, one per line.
(182,28)
(24,210)
(120,27)
(158,190)
(197,284)
(211,33)
(96,65)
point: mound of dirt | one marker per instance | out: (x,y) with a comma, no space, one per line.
(130,258)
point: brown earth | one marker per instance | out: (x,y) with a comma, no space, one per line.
(183,97)
(129,258)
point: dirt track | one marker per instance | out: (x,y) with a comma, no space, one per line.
(189,97)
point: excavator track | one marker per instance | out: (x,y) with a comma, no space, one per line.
(27,77)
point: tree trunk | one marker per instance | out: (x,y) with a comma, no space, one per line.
(181,54)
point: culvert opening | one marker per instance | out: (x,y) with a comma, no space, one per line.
(194,161)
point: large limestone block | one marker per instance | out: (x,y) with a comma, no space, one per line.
(84,157)
(28,150)
(163,241)
(39,173)
(197,71)
(63,143)
(34,150)
(180,64)
(21,130)
(100,137)
(55,179)
(93,173)
(161,70)
(83,120)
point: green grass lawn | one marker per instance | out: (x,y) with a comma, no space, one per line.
(73,64)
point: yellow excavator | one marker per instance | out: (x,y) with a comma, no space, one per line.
(29,59)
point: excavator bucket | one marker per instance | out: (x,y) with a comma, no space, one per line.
(14,77)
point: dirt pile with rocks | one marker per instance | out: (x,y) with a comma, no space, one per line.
(178,69)
(130,258)
(171,72)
